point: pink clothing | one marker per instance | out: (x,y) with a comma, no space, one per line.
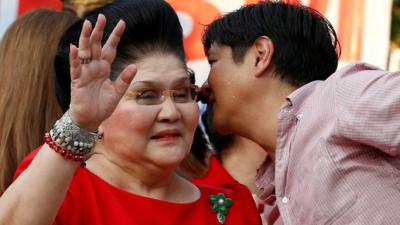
(337,151)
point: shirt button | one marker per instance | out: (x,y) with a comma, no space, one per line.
(299,116)
(285,200)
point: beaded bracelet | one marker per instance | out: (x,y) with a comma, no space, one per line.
(71,141)
(64,153)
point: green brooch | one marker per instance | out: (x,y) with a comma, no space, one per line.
(220,205)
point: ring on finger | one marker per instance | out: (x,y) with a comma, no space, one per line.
(85,60)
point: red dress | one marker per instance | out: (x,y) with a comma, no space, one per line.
(92,201)
(217,176)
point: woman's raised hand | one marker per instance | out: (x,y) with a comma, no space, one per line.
(93,95)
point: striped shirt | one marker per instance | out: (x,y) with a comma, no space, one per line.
(338,151)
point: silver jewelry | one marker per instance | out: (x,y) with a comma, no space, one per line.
(72,138)
(85,60)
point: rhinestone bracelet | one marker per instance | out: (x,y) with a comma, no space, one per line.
(71,141)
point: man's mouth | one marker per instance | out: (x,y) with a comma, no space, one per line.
(205,95)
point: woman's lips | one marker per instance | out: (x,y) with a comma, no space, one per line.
(167,135)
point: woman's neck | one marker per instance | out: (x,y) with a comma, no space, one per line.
(242,159)
(142,179)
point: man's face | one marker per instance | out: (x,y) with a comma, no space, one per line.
(227,81)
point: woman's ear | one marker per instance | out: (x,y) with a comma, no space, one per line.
(264,49)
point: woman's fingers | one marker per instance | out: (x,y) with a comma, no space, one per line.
(96,36)
(75,68)
(84,41)
(124,79)
(109,50)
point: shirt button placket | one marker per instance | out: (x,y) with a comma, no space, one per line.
(285,200)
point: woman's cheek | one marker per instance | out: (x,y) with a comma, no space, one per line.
(193,114)
(130,118)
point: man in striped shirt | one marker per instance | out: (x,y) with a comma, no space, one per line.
(333,137)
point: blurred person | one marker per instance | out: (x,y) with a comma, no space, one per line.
(83,7)
(332,136)
(28,104)
(128,125)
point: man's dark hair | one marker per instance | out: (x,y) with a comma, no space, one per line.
(305,43)
(152,26)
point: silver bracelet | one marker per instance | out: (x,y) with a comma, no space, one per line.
(72,138)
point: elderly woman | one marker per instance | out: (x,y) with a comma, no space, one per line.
(130,124)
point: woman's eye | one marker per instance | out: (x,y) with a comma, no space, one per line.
(184,92)
(182,95)
(147,95)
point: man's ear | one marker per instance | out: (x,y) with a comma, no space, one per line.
(264,49)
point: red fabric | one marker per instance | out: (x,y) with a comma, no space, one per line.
(219,177)
(90,200)
(28,5)
(351,28)
(200,12)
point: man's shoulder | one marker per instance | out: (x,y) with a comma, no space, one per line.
(356,70)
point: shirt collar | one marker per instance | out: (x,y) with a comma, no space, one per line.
(297,97)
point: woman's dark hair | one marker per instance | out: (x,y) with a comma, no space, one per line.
(218,141)
(305,43)
(151,26)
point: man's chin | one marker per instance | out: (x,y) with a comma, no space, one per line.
(220,125)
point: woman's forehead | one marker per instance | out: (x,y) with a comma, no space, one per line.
(160,61)
(160,69)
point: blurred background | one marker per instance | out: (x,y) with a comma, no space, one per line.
(369,30)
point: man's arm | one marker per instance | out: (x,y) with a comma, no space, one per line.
(368,107)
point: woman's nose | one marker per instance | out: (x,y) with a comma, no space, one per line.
(169,110)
